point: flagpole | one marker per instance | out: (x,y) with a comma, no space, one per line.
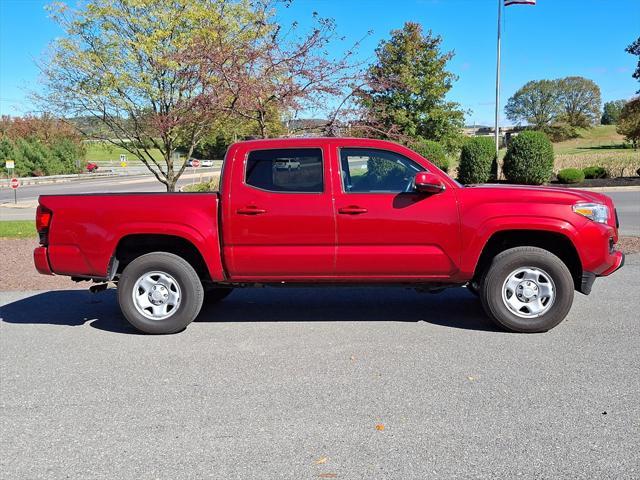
(497,135)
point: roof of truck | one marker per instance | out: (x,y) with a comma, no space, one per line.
(289,141)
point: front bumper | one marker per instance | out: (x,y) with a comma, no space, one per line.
(618,263)
(589,277)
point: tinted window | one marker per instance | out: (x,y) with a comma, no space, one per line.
(286,170)
(370,170)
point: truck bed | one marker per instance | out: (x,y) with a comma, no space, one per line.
(86,229)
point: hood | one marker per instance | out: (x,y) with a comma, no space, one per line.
(571,195)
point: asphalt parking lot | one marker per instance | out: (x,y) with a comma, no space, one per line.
(321,383)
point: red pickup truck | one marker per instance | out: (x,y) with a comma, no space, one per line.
(339,211)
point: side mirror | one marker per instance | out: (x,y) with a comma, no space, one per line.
(426,182)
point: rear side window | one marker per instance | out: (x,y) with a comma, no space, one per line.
(286,170)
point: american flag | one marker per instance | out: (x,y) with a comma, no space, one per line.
(519,2)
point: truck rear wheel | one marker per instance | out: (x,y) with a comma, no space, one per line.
(527,289)
(160,293)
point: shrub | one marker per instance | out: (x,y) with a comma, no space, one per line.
(433,152)
(595,172)
(529,159)
(211,186)
(477,160)
(571,175)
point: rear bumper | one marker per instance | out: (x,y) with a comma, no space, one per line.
(41,261)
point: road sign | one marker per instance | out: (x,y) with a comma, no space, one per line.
(14,183)
(10,164)
(123,160)
(195,163)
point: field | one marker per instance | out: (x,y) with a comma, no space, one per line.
(599,146)
(105,154)
(17,229)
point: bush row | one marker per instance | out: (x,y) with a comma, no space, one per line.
(33,157)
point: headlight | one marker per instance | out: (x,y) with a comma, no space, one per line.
(594,211)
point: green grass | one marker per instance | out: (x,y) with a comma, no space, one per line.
(17,229)
(600,139)
(104,154)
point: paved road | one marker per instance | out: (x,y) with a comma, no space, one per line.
(291,384)
(142,183)
(628,207)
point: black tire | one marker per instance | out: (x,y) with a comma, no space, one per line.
(189,292)
(540,260)
(214,295)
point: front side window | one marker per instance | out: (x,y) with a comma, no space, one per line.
(367,170)
(286,170)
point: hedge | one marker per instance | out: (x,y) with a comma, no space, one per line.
(529,159)
(477,160)
(595,172)
(571,175)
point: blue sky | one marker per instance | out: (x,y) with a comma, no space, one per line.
(554,39)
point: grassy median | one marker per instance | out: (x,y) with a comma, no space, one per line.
(17,229)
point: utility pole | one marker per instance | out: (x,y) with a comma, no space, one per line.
(497,128)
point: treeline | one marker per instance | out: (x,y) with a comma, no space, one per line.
(40,146)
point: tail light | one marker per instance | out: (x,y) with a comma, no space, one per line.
(43,219)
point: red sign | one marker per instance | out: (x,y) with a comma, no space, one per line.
(195,163)
(14,183)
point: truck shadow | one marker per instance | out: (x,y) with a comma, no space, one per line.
(455,308)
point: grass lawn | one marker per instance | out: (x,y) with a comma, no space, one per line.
(103,154)
(599,139)
(17,229)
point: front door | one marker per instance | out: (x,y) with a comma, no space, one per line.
(384,228)
(279,218)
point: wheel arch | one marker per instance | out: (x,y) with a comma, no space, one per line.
(554,242)
(133,246)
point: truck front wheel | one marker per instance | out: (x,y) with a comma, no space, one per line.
(527,289)
(160,293)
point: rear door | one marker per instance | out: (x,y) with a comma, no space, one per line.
(384,228)
(279,217)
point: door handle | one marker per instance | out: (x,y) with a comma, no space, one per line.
(250,211)
(352,210)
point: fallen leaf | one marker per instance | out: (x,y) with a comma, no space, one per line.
(352,358)
(471,378)
(380,427)
(321,460)
(328,475)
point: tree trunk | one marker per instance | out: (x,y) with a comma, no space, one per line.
(262,123)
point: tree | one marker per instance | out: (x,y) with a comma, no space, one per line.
(629,121)
(579,100)
(536,103)
(634,49)
(119,62)
(403,96)
(611,112)
(256,77)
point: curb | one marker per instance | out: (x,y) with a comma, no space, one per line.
(627,188)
